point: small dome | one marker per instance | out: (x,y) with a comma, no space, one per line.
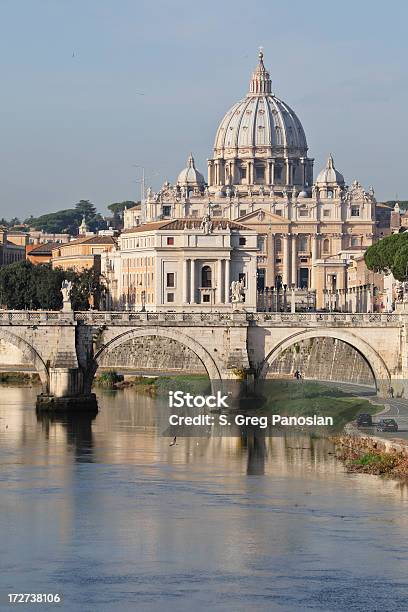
(329,175)
(190,176)
(303,194)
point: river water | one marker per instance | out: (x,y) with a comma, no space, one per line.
(107,514)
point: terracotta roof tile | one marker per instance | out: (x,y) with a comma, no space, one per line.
(181,224)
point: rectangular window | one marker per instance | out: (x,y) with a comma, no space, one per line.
(278,212)
(166,211)
(170,297)
(303,212)
(259,173)
(171,279)
(355,211)
(243,173)
(243,212)
(242,241)
(206,298)
(326,212)
(170,240)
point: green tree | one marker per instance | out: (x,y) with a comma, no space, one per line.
(94,220)
(399,267)
(86,209)
(24,285)
(62,221)
(117,208)
(380,256)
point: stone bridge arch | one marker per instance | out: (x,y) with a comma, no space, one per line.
(29,352)
(379,369)
(176,334)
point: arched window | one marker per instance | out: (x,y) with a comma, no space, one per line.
(278,135)
(326,245)
(206,276)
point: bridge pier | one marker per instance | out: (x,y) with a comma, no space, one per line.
(66,392)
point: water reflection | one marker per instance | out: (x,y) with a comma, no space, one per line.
(78,428)
(103,510)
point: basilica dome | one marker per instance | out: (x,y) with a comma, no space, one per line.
(260,120)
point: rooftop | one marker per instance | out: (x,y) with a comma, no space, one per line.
(186,224)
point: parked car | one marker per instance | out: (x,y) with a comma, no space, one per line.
(387,425)
(364,420)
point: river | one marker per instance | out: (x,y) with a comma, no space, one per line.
(107,514)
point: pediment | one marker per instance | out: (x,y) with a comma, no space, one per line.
(261,216)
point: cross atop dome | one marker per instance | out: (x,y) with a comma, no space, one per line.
(260,81)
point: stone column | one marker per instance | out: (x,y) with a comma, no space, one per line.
(314,257)
(185,281)
(294,260)
(285,252)
(369,298)
(270,271)
(292,300)
(219,281)
(227,281)
(193,282)
(288,172)
(354,299)
(250,172)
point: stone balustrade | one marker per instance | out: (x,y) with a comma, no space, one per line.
(38,317)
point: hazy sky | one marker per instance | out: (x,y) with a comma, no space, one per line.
(73,127)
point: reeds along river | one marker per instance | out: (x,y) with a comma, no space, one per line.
(103,511)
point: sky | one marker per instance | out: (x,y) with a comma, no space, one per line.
(92,90)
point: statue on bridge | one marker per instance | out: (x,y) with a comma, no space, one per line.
(66,289)
(237,291)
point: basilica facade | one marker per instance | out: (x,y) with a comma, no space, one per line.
(261,176)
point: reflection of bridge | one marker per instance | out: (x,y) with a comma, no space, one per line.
(67,347)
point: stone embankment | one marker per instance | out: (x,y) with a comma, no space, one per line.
(365,453)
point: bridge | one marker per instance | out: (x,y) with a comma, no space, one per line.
(66,348)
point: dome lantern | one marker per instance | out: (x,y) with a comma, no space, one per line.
(260,81)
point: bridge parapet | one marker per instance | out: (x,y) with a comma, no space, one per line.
(326,319)
(190,319)
(36,317)
(97,318)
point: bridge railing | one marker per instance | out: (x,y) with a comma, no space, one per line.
(41,317)
(326,318)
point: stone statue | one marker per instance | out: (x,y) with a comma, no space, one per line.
(206,224)
(237,291)
(271,192)
(249,191)
(66,289)
(261,191)
(149,193)
(206,192)
(228,192)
